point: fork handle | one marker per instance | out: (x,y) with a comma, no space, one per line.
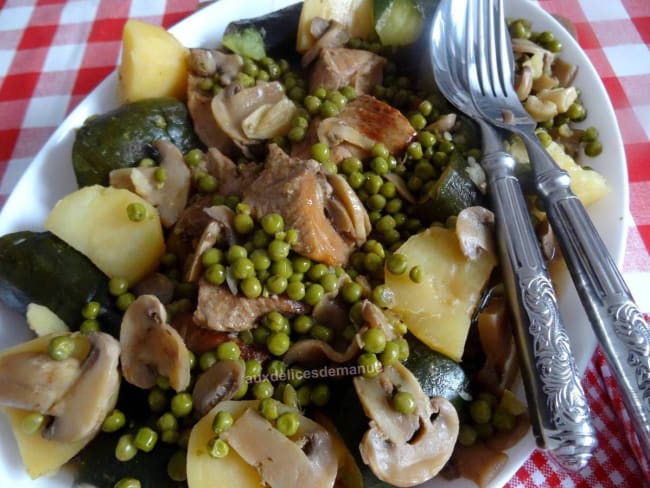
(623,333)
(559,410)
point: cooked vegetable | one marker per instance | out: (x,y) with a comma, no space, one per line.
(355,15)
(123,137)
(43,321)
(153,63)
(95,221)
(397,22)
(40,268)
(247,42)
(439,309)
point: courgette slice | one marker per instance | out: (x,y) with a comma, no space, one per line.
(247,42)
(398,22)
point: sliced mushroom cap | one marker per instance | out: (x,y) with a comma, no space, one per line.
(374,317)
(206,241)
(405,449)
(152,348)
(328,34)
(357,225)
(80,412)
(474,231)
(524,82)
(314,351)
(305,459)
(218,383)
(170,197)
(34,381)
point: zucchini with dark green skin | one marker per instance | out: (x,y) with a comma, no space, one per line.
(38,267)
(124,136)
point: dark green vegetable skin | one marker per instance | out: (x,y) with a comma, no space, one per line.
(38,267)
(437,374)
(122,137)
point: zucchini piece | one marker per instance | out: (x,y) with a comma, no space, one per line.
(40,268)
(245,42)
(453,191)
(122,137)
(398,22)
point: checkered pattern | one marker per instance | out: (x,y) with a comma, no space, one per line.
(54,52)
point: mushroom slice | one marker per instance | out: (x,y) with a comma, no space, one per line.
(306,459)
(152,348)
(346,197)
(218,383)
(34,381)
(474,231)
(314,351)
(207,240)
(374,317)
(80,412)
(170,197)
(405,450)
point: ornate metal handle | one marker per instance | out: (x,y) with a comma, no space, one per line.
(619,325)
(559,410)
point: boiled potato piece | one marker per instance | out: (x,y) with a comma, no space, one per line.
(438,310)
(94,221)
(153,63)
(40,456)
(588,185)
(355,15)
(232,470)
(43,321)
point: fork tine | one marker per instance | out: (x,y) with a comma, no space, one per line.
(503,50)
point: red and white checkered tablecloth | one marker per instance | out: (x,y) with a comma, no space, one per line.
(54,52)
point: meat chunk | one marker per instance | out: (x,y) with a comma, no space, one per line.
(339,67)
(232,179)
(364,122)
(218,309)
(300,192)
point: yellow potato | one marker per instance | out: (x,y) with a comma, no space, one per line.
(355,15)
(438,310)
(40,456)
(154,63)
(94,221)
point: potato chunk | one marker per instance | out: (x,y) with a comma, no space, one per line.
(153,63)
(94,221)
(438,310)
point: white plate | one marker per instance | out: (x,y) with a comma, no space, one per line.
(50,176)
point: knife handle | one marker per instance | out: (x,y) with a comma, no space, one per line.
(622,332)
(558,407)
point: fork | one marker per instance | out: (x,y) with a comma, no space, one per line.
(618,324)
(535,309)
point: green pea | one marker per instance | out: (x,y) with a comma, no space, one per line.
(351,165)
(282,267)
(369,365)
(61,347)
(288,423)
(278,343)
(222,421)
(480,411)
(117,286)
(404,402)
(374,246)
(124,301)
(356,180)
(212,256)
(278,249)
(128,483)
(206,360)
(374,340)
(314,293)
(268,407)
(518,29)
(136,212)
(393,206)
(251,287)
(277,284)
(416,274)
(177,466)
(329,282)
(253,368)
(181,404)
(194,157)
(125,450)
(467,435)
(418,121)
(276,368)
(236,252)
(317,271)
(351,292)
(388,189)
(157,400)
(89,325)
(302,324)
(32,423)
(593,148)
(228,350)
(404,349)
(320,93)
(218,448)
(373,183)
(321,333)
(160,174)
(114,421)
(373,262)
(167,421)
(296,290)
(312,104)
(303,395)
(91,310)
(145,439)
(242,268)
(397,263)
(590,134)
(338,98)
(263,389)
(241,393)
(376,202)
(300,264)
(555,46)
(390,354)
(320,395)
(320,152)
(216,274)
(243,224)
(328,109)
